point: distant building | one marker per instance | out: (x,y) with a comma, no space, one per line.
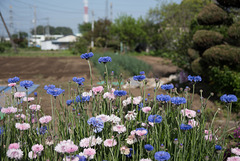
(36,40)
(58,44)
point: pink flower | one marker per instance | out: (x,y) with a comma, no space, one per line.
(45,119)
(32,155)
(61,147)
(151,123)
(141,132)
(146,109)
(15,153)
(206,132)
(110,142)
(71,148)
(9,110)
(236,158)
(146,159)
(104,118)
(109,95)
(89,152)
(137,100)
(14,146)
(19,94)
(11,84)
(29,99)
(34,107)
(210,137)
(193,123)
(98,89)
(23,126)
(124,150)
(22,116)
(235,151)
(119,128)
(188,113)
(37,148)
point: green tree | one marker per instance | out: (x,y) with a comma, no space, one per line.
(41,30)
(129,30)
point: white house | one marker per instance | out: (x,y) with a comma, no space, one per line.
(36,40)
(58,44)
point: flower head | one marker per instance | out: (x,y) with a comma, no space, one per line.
(162,156)
(15,154)
(104,59)
(19,94)
(87,55)
(185,127)
(141,131)
(23,126)
(163,98)
(148,147)
(146,109)
(45,119)
(167,86)
(218,147)
(42,130)
(69,102)
(154,118)
(96,123)
(82,99)
(188,113)
(142,72)
(37,148)
(9,110)
(78,80)
(104,118)
(235,151)
(119,128)
(26,83)
(50,86)
(235,158)
(98,89)
(89,152)
(194,78)
(14,146)
(120,93)
(34,107)
(178,100)
(13,80)
(228,98)
(55,91)
(110,142)
(124,150)
(139,77)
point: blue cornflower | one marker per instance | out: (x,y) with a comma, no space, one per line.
(55,91)
(42,130)
(155,118)
(167,86)
(81,158)
(1,130)
(142,72)
(228,98)
(164,98)
(148,95)
(148,147)
(218,147)
(26,83)
(82,99)
(139,77)
(104,59)
(79,80)
(35,94)
(13,80)
(185,127)
(178,100)
(137,129)
(96,123)
(162,155)
(50,86)
(120,93)
(194,78)
(87,55)
(69,102)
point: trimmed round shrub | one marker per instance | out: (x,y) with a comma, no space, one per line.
(234,34)
(198,66)
(193,54)
(212,15)
(222,55)
(229,3)
(205,39)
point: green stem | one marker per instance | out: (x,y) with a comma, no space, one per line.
(90,73)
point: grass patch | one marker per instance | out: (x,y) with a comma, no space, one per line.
(121,64)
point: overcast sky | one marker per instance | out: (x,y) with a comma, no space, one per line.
(67,13)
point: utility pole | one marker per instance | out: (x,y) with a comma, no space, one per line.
(9,35)
(106,9)
(35,25)
(48,30)
(92,42)
(11,19)
(111,12)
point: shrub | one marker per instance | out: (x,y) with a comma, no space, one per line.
(222,55)
(193,54)
(225,80)
(2,48)
(204,39)
(197,66)
(212,15)
(234,34)
(80,47)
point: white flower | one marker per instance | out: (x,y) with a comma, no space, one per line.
(114,119)
(131,115)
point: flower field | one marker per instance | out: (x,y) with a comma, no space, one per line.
(112,124)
